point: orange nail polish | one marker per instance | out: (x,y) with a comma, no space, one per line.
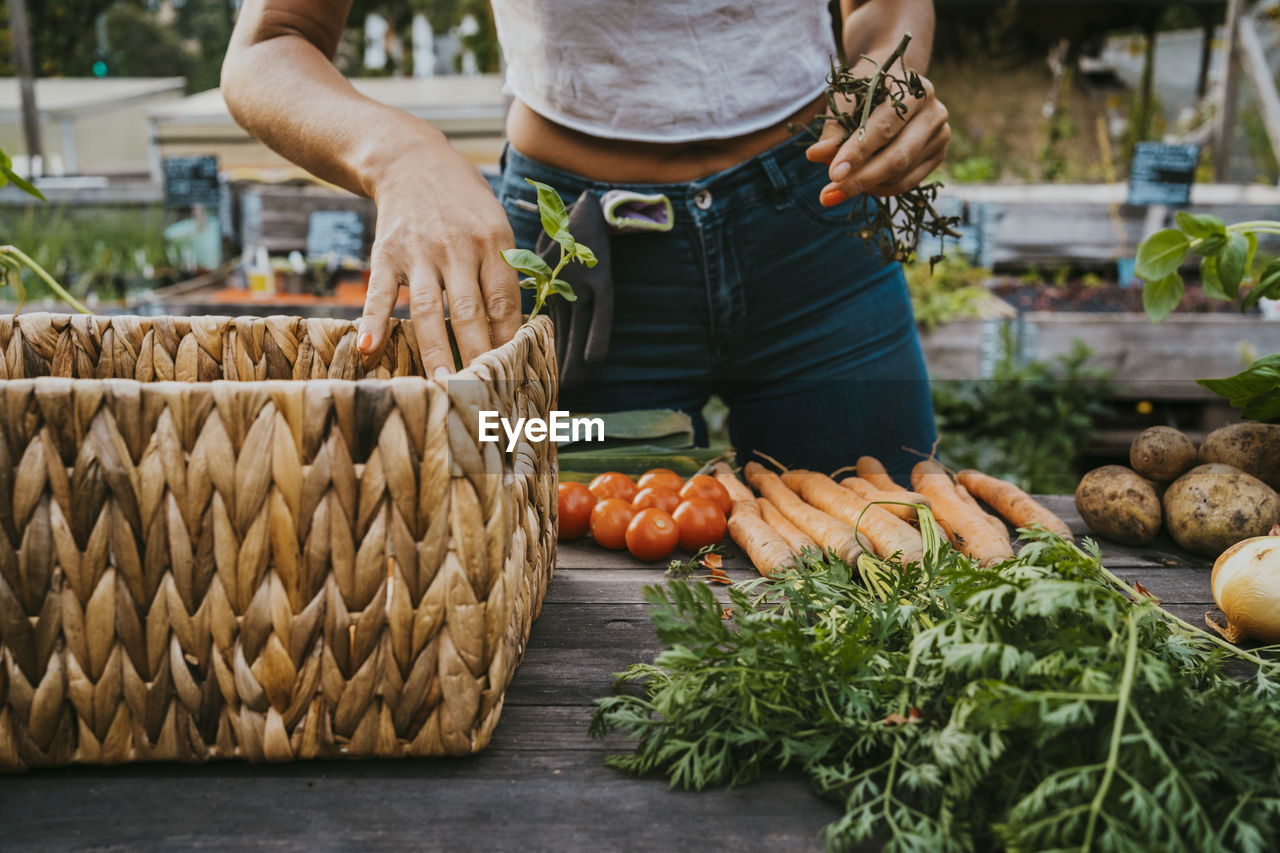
(365,343)
(830,198)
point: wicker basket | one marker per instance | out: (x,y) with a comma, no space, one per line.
(217,545)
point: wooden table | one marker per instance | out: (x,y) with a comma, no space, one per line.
(541,785)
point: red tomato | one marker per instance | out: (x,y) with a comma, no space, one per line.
(701,523)
(652,535)
(609,522)
(575,503)
(612,484)
(664,499)
(662,477)
(703,486)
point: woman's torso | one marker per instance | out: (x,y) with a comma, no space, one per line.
(660,90)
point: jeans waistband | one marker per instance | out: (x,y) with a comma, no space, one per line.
(769,174)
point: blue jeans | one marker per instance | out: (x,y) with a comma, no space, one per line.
(764,297)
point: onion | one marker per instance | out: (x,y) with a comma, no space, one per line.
(1246,586)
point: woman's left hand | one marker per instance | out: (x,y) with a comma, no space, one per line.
(896,154)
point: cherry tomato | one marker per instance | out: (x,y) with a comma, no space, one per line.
(703,486)
(612,484)
(609,522)
(575,502)
(652,535)
(701,523)
(662,477)
(664,499)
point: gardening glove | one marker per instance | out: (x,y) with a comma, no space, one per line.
(583,327)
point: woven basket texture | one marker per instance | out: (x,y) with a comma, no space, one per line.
(238,538)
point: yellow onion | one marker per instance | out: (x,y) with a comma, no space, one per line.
(1246,586)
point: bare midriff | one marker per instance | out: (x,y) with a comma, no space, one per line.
(641,162)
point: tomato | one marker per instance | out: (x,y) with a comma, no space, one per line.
(662,477)
(612,484)
(574,502)
(703,486)
(701,523)
(609,522)
(652,535)
(664,499)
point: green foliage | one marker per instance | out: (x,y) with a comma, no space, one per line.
(953,289)
(542,279)
(1028,422)
(141,46)
(1229,255)
(1039,705)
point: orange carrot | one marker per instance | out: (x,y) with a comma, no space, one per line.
(967,528)
(1012,503)
(738,492)
(885,533)
(863,489)
(767,550)
(796,538)
(830,534)
(996,524)
(870,469)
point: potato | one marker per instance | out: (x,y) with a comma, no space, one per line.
(1214,506)
(1119,505)
(1162,454)
(1251,447)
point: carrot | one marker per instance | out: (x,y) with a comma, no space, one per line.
(885,533)
(767,550)
(870,469)
(830,534)
(1012,503)
(863,489)
(968,530)
(796,538)
(996,524)
(738,492)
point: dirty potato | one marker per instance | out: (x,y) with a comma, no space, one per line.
(1162,454)
(1214,506)
(1118,504)
(1251,447)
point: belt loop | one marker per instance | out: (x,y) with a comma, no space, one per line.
(777,179)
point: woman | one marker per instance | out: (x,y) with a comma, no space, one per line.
(759,293)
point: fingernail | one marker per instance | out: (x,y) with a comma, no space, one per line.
(441,374)
(841,171)
(831,197)
(364,343)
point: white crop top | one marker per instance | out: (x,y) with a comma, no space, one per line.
(665,70)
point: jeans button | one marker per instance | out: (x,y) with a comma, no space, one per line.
(702,199)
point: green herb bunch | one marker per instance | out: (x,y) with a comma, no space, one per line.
(1227,254)
(542,279)
(891,225)
(1040,705)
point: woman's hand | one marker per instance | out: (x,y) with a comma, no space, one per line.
(896,154)
(440,232)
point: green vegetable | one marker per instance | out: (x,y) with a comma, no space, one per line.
(1040,705)
(542,279)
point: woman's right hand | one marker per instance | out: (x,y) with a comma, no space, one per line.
(440,232)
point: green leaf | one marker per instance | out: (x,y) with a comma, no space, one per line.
(21,184)
(525,261)
(585,255)
(566,241)
(528,284)
(1161,254)
(1268,287)
(1199,225)
(1209,279)
(565,289)
(1210,245)
(555,218)
(1231,263)
(1159,298)
(1254,389)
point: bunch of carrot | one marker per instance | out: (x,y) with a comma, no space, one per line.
(870,512)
